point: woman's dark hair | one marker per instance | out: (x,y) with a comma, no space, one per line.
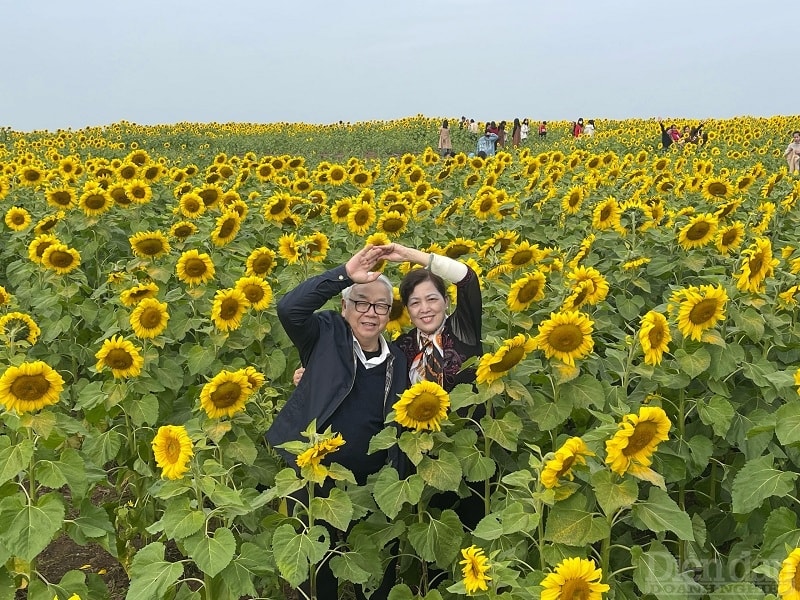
(416,276)
(444,123)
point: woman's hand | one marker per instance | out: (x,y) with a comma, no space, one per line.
(398,253)
(298,375)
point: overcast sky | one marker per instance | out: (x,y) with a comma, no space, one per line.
(83,63)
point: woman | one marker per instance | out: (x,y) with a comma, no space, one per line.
(516,134)
(524,130)
(445,145)
(792,153)
(439,344)
(501,135)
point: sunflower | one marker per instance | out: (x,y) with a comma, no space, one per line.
(191,205)
(278,207)
(654,336)
(701,308)
(254,377)
(744,182)
(17,219)
(578,297)
(315,246)
(574,578)
(195,268)
(474,571)
(138,191)
(149,244)
(183,229)
(500,242)
(698,232)
(471,179)
(607,214)
(336,175)
(228,224)
(61,258)
(17,325)
(566,336)
(360,218)
(638,436)
(68,165)
(597,284)
(459,247)
(30,387)
(392,222)
(47,223)
(727,209)
(572,202)
(730,237)
(94,200)
(789,577)
(210,193)
(31,175)
(261,262)
(716,188)
(485,205)
(121,356)
(226,394)
(172,449)
(39,244)
(149,318)
(758,264)
(399,318)
(422,406)
(288,248)
(788,298)
(127,171)
(340,210)
(508,356)
(526,290)
(5,297)
(309,460)
(256,290)
(571,453)
(521,254)
(132,296)
(228,308)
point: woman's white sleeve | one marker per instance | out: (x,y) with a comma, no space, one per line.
(447,268)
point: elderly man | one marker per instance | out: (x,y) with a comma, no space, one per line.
(352,375)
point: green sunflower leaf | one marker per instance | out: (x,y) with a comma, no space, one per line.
(756,481)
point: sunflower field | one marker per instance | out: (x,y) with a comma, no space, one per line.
(640,428)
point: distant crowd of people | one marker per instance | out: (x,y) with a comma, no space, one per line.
(692,135)
(495,135)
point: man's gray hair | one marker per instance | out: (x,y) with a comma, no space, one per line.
(382,278)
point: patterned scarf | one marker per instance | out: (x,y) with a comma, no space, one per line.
(428,364)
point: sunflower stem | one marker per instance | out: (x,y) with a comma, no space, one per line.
(487,448)
(682,485)
(32,484)
(423,583)
(605,549)
(312,570)
(540,535)
(31,467)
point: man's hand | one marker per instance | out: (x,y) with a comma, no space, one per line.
(359,267)
(298,375)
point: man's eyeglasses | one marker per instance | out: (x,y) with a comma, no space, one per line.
(363,306)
